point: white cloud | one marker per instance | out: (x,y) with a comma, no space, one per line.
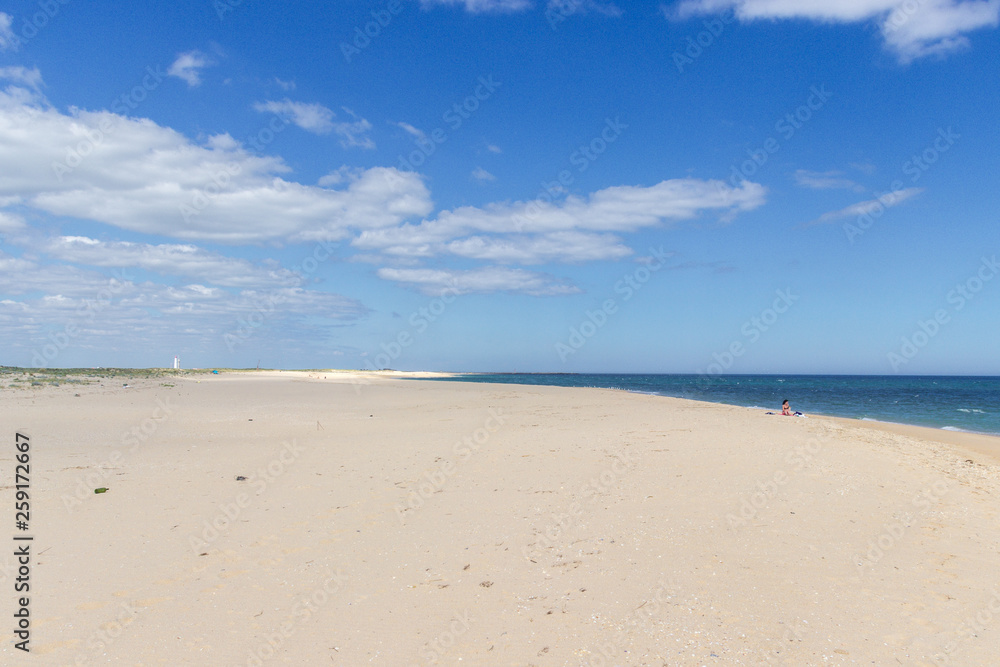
(170,259)
(888,200)
(483,6)
(353,133)
(911,28)
(22,75)
(825,180)
(343,174)
(117,315)
(314,118)
(615,209)
(134,174)
(10,222)
(435,282)
(493,148)
(8,40)
(412,131)
(284,85)
(555,247)
(482,175)
(318,119)
(188,67)
(140,176)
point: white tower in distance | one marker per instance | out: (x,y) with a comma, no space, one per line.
(177,362)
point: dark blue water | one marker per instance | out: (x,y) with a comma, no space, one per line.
(954,403)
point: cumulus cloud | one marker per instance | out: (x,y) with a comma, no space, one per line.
(911,29)
(22,75)
(188,67)
(134,174)
(615,209)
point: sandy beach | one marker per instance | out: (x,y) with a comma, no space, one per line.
(333,518)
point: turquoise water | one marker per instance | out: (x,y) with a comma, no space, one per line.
(954,403)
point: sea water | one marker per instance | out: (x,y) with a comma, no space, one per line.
(954,403)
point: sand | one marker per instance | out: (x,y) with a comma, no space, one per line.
(387,520)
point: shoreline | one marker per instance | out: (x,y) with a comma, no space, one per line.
(984,443)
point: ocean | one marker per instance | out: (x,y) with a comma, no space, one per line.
(953,403)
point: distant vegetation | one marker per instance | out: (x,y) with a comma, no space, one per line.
(14,377)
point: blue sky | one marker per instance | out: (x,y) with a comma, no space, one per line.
(749,186)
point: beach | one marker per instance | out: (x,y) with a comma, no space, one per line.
(351,518)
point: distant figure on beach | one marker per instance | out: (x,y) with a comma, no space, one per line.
(787,411)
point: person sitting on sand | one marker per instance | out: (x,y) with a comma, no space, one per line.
(787,411)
